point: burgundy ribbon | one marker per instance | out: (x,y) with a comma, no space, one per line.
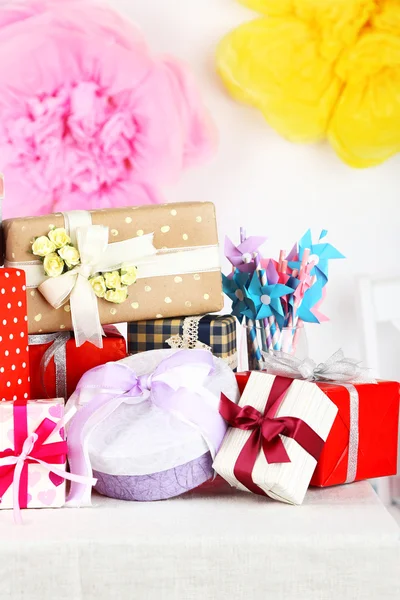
(54,453)
(266,431)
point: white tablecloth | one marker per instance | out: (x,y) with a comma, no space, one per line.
(341,544)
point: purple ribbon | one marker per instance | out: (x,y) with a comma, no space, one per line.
(176,385)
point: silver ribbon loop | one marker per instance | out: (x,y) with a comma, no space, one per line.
(58,351)
(337,370)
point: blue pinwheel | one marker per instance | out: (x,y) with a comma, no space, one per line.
(235,288)
(320,255)
(265,300)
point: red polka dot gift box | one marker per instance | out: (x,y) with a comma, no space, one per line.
(14,352)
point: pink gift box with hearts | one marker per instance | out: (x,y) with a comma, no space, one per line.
(42,442)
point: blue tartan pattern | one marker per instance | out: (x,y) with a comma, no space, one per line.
(216,331)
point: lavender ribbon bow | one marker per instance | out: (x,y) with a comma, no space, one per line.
(176,385)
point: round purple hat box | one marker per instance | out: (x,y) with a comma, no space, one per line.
(157,486)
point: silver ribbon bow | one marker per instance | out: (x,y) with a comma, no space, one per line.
(338,369)
(58,351)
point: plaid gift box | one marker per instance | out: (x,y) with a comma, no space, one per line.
(215,332)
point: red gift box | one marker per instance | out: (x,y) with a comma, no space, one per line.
(378,426)
(14,355)
(75,363)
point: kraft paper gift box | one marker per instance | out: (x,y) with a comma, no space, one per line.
(218,333)
(56,364)
(182,278)
(365,431)
(39,487)
(152,431)
(277,433)
(14,355)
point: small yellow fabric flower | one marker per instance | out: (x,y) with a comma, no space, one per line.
(117,296)
(43,246)
(113,280)
(322,69)
(128,275)
(70,255)
(59,237)
(99,285)
(53,265)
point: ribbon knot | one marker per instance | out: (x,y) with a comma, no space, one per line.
(27,447)
(84,270)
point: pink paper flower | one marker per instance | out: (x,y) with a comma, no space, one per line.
(89,117)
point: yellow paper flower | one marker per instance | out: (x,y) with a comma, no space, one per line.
(53,265)
(322,69)
(117,296)
(70,255)
(43,246)
(99,285)
(113,280)
(59,237)
(128,275)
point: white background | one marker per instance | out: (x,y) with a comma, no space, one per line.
(278,189)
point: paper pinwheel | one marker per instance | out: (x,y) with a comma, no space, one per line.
(234,288)
(242,256)
(320,254)
(265,300)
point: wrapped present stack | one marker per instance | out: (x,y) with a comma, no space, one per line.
(162,420)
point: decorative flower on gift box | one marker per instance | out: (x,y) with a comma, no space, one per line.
(60,256)
(322,69)
(89,117)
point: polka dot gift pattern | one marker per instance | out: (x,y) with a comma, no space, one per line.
(14,357)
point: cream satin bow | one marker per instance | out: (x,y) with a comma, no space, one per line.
(96,256)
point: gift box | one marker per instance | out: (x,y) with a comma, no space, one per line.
(363,442)
(174,248)
(56,364)
(277,433)
(41,485)
(152,432)
(218,333)
(14,355)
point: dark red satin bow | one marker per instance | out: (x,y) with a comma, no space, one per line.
(266,433)
(53,453)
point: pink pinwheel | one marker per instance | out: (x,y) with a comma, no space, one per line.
(242,257)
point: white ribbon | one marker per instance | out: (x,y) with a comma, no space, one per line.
(338,369)
(96,256)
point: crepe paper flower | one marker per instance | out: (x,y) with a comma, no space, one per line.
(266,299)
(90,118)
(320,255)
(322,69)
(234,288)
(243,256)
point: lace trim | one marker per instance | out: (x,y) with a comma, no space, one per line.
(190,336)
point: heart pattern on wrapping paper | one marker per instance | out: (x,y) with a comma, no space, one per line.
(28,499)
(47,497)
(56,411)
(55,479)
(34,478)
